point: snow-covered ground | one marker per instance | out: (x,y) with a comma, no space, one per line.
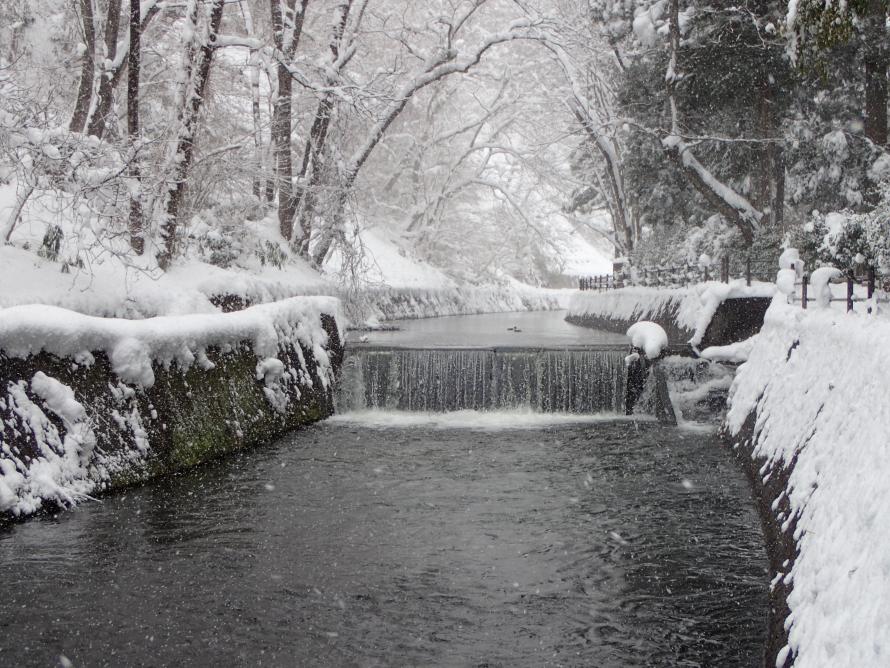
(390,284)
(817,380)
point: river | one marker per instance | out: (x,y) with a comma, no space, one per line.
(502,538)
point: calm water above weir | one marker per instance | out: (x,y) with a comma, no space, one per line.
(610,543)
(534,329)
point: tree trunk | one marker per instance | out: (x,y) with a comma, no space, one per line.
(198,68)
(779,188)
(101,114)
(287,38)
(313,151)
(254,74)
(137,240)
(87,65)
(876,73)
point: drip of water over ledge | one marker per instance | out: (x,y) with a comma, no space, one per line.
(439,380)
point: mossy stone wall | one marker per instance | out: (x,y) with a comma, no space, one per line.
(187,417)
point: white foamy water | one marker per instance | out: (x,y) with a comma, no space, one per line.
(487,420)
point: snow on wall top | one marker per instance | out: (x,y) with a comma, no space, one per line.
(817,379)
(695,305)
(132,345)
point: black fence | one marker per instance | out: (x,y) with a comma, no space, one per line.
(876,286)
(681,275)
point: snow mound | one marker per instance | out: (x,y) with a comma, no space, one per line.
(649,337)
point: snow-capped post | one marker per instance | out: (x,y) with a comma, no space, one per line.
(804,282)
(821,279)
(648,341)
(849,291)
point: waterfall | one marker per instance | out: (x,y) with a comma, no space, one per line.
(438,380)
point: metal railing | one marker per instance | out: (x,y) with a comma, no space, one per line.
(870,280)
(684,274)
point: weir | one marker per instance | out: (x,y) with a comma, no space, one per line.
(580,380)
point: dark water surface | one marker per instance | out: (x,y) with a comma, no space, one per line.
(527,329)
(604,544)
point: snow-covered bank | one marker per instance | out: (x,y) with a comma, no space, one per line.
(112,290)
(810,409)
(408,303)
(91,403)
(684,313)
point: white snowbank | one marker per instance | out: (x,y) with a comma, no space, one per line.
(818,380)
(114,290)
(133,345)
(650,337)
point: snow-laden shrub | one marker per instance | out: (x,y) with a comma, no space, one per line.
(848,240)
(236,242)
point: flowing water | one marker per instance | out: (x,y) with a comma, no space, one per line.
(568,381)
(380,538)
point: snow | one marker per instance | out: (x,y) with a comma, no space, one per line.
(60,473)
(786,281)
(818,380)
(820,288)
(386,264)
(734,352)
(134,345)
(789,259)
(649,337)
(880,168)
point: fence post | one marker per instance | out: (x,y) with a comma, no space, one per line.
(748,271)
(849,292)
(871,284)
(724,269)
(707,277)
(804,281)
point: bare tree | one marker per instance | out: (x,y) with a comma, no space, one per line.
(197,60)
(101,114)
(287,27)
(442,63)
(137,240)
(311,171)
(87,67)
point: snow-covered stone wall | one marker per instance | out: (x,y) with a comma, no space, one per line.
(684,313)
(810,417)
(88,404)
